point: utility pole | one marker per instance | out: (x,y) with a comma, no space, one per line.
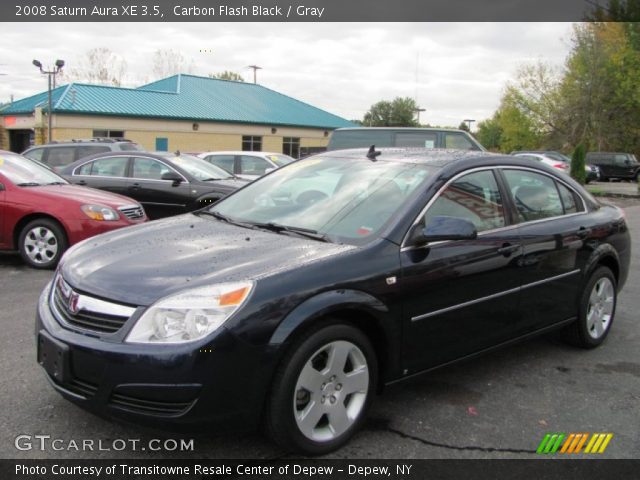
(255,69)
(51,74)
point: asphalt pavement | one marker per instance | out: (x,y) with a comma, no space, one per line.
(497,406)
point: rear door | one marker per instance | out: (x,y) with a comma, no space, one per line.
(460,297)
(554,230)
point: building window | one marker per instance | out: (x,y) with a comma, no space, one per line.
(251,143)
(108,133)
(291,146)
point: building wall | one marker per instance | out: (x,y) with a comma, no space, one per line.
(182,135)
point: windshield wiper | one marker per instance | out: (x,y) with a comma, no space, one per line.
(223,218)
(304,232)
(28,184)
(210,179)
(57,183)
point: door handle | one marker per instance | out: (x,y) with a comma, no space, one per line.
(81,182)
(135,185)
(507,249)
(583,232)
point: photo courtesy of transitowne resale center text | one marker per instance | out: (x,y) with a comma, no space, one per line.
(319,240)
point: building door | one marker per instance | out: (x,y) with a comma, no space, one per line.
(19,140)
(162,144)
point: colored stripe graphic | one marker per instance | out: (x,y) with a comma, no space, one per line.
(572,443)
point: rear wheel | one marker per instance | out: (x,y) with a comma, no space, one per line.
(41,243)
(596,310)
(322,390)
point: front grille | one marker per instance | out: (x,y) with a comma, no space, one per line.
(132,212)
(142,405)
(87,313)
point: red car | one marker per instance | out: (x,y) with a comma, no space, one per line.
(41,214)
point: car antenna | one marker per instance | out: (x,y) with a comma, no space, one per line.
(373,154)
(177,153)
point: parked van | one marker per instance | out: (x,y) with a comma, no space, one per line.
(363,137)
(615,165)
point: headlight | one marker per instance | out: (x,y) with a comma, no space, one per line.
(189,315)
(100,212)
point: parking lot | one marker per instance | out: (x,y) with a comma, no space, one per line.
(496,406)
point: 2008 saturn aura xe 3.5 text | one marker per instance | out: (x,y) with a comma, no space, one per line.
(294,299)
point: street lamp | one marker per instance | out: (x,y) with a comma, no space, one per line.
(469,121)
(51,74)
(418,110)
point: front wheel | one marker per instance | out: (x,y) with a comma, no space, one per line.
(322,390)
(596,310)
(41,243)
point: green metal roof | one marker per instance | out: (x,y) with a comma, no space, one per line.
(184,97)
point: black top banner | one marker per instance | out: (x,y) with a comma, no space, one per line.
(298,11)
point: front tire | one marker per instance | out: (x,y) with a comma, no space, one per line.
(41,243)
(322,390)
(596,310)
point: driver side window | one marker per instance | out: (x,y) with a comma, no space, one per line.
(474,197)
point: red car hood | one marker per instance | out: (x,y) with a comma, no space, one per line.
(83,195)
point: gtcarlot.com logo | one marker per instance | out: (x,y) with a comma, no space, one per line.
(574,443)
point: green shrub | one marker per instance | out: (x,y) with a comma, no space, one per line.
(577,164)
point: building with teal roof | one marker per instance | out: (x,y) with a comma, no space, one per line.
(181,112)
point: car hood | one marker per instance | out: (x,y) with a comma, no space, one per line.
(81,195)
(139,265)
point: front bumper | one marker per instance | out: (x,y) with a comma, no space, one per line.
(220,381)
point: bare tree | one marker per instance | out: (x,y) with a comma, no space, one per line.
(98,65)
(167,62)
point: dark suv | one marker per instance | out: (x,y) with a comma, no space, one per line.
(615,165)
(363,137)
(58,155)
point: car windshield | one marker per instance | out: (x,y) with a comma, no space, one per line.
(281,160)
(341,199)
(197,167)
(24,172)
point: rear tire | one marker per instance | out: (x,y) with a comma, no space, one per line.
(41,243)
(596,310)
(322,390)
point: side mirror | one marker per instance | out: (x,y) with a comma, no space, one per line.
(1,187)
(445,228)
(173,177)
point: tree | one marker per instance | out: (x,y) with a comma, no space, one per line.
(463,126)
(227,75)
(167,62)
(577,164)
(98,66)
(489,133)
(401,112)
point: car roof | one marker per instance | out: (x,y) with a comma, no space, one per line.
(437,157)
(403,129)
(241,152)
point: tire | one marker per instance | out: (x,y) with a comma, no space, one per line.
(41,243)
(596,310)
(315,407)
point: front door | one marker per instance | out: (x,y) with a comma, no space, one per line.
(160,198)
(461,296)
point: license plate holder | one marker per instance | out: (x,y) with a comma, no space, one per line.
(53,356)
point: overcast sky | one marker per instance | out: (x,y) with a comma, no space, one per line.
(454,70)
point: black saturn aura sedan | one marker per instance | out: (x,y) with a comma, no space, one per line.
(164,183)
(295,299)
